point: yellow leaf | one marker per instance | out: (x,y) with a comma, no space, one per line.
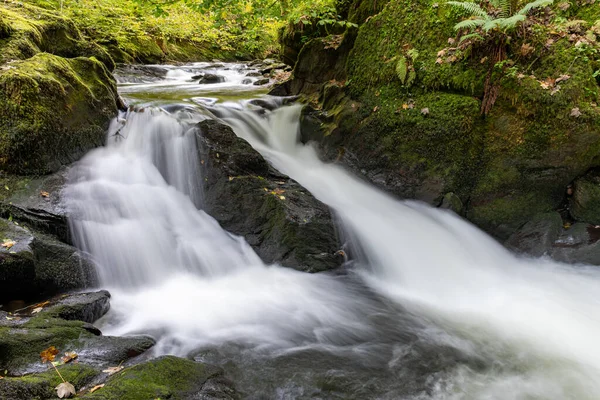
(281,197)
(49,354)
(92,390)
(8,243)
(69,356)
(113,370)
(44,194)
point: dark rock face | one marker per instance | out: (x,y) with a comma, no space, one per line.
(585,201)
(40,265)
(282,221)
(211,78)
(537,237)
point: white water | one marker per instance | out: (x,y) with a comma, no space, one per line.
(176,274)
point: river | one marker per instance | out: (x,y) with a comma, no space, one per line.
(429,307)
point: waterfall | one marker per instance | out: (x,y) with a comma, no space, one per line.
(424,284)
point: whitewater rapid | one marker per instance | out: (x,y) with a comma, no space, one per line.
(422,277)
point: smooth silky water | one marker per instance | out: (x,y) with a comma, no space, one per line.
(429,307)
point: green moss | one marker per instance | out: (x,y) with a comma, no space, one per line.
(52,110)
(42,385)
(166,378)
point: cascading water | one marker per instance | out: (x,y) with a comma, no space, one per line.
(433,308)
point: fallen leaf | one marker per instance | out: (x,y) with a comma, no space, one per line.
(37,310)
(375,108)
(441,53)
(483,60)
(527,49)
(405,106)
(230,178)
(6,187)
(8,243)
(439,61)
(112,370)
(49,354)
(65,390)
(201,162)
(451,59)
(281,197)
(44,194)
(92,390)
(278,191)
(562,78)
(575,112)
(520,76)
(555,90)
(69,356)
(425,111)
(451,40)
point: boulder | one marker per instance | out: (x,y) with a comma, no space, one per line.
(246,82)
(537,237)
(262,81)
(52,111)
(281,220)
(254,74)
(211,78)
(39,265)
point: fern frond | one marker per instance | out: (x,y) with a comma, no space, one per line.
(511,22)
(533,5)
(469,24)
(472,8)
(402,69)
(476,36)
(503,6)
(492,24)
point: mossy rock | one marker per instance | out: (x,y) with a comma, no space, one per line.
(585,201)
(41,386)
(52,111)
(166,378)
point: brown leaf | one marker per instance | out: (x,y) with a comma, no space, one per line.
(439,61)
(527,49)
(562,78)
(451,40)
(49,354)
(92,390)
(483,60)
(65,390)
(425,111)
(375,108)
(575,112)
(44,194)
(113,370)
(8,243)
(69,356)
(441,53)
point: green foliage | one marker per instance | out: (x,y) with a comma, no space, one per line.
(402,69)
(497,16)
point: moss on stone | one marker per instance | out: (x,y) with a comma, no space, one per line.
(166,378)
(52,110)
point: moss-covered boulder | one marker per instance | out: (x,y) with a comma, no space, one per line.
(411,115)
(282,221)
(52,111)
(167,378)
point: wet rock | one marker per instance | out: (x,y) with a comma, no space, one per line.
(261,82)
(254,74)
(246,81)
(452,202)
(104,351)
(87,307)
(197,77)
(167,378)
(272,67)
(578,245)
(281,220)
(135,73)
(39,265)
(37,204)
(211,78)
(537,236)
(585,201)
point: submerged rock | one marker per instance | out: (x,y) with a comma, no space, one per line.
(211,78)
(282,221)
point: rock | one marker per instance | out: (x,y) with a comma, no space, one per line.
(87,307)
(283,222)
(167,378)
(36,203)
(537,236)
(272,67)
(585,201)
(211,78)
(261,82)
(197,77)
(452,202)
(246,82)
(254,74)
(578,245)
(41,386)
(107,351)
(39,265)
(52,111)
(128,73)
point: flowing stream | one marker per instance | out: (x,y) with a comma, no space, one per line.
(430,307)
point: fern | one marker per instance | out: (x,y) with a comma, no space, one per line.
(533,5)
(511,22)
(402,69)
(469,24)
(503,6)
(471,36)
(472,8)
